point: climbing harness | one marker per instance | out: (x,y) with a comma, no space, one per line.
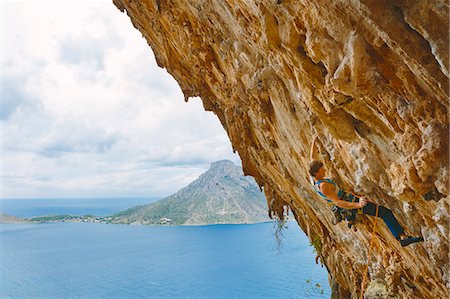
(339,213)
(351,213)
(363,283)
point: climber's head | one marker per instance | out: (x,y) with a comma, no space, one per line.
(316,168)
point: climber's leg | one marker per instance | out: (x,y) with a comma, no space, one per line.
(388,217)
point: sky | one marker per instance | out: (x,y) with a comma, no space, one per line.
(86,112)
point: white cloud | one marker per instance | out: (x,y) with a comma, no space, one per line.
(88,111)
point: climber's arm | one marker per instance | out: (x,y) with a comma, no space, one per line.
(328,190)
(314,153)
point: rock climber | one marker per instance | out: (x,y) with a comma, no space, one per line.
(348,204)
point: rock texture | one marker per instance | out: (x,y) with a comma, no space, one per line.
(220,195)
(369,77)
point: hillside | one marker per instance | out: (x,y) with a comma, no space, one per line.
(220,195)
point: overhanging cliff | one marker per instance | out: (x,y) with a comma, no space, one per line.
(369,77)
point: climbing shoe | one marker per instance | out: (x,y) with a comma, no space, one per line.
(410,240)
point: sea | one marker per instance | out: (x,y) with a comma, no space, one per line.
(90,260)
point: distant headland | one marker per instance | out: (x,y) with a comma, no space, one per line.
(221,195)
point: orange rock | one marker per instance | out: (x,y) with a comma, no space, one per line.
(369,77)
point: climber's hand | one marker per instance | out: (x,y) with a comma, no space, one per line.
(362,201)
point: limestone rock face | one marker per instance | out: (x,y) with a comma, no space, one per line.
(369,77)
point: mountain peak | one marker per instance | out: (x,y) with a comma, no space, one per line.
(223,165)
(224,168)
(220,195)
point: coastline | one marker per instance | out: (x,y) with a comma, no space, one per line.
(9,219)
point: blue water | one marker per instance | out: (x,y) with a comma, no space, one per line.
(87,260)
(72,206)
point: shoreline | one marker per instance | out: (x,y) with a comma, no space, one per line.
(9,219)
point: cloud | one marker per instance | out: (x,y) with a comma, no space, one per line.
(87,50)
(80,140)
(13,96)
(89,113)
(199,152)
(16,92)
(82,51)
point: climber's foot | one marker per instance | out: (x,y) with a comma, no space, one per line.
(409,240)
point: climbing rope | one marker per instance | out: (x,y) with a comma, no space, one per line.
(363,283)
